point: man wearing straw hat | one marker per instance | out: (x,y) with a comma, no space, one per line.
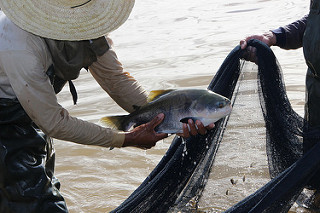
(44,44)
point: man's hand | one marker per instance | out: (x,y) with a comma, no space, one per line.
(195,128)
(144,135)
(250,52)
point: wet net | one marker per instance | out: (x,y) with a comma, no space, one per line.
(177,182)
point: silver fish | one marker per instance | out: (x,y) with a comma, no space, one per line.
(178,106)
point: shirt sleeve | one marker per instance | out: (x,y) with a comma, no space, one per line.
(25,70)
(120,85)
(291,35)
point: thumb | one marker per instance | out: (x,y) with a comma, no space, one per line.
(157,120)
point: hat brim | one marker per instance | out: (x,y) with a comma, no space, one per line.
(70,19)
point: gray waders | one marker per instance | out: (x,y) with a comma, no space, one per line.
(311,49)
(27,183)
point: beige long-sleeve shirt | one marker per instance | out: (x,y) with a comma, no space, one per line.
(24,60)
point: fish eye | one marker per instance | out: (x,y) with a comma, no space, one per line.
(221,104)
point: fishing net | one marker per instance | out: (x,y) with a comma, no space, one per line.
(177,182)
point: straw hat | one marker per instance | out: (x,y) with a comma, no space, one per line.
(68,19)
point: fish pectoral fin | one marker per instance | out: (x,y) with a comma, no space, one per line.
(185,120)
(154,94)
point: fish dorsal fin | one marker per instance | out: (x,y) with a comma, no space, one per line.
(154,94)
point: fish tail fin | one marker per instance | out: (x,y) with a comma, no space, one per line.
(115,122)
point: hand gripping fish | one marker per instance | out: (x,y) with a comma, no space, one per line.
(178,106)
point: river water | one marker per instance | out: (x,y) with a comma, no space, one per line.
(176,44)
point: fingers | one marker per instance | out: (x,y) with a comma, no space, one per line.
(186,133)
(201,129)
(195,128)
(249,52)
(210,126)
(243,44)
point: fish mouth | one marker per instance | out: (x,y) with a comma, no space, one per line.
(229,108)
(229,105)
(225,110)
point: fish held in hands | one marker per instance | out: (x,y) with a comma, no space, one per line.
(178,107)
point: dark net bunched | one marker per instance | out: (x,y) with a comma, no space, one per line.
(181,175)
